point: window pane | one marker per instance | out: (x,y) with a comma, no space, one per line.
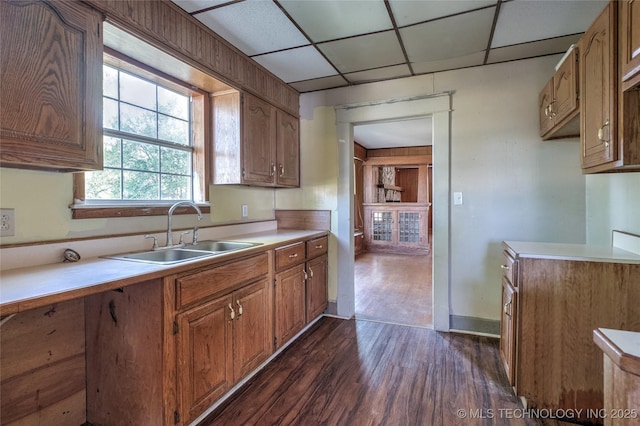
(176,187)
(172,129)
(111,147)
(141,185)
(110,82)
(140,156)
(175,161)
(102,185)
(172,103)
(137,91)
(110,114)
(138,121)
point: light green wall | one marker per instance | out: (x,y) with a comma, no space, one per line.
(318,177)
(41,201)
(613,203)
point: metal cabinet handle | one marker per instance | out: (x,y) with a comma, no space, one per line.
(239,308)
(507,308)
(232,314)
(281,170)
(505,267)
(319,246)
(293,256)
(310,272)
(601,134)
(273,169)
(306,277)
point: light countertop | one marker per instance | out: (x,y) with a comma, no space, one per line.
(31,287)
(623,347)
(579,252)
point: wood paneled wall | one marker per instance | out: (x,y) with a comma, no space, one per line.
(43,366)
(304,219)
(407,179)
(169,28)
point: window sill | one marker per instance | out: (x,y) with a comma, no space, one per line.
(99,211)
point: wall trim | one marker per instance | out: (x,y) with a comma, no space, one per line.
(474,325)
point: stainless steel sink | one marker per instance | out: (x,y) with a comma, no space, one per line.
(164,257)
(184,253)
(220,246)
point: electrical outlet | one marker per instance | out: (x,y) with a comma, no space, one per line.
(7,223)
(245,211)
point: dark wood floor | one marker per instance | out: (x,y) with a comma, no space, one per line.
(394,288)
(348,372)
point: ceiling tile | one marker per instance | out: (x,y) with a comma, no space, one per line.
(250,25)
(448,64)
(448,38)
(303,63)
(379,74)
(521,21)
(410,12)
(533,49)
(194,5)
(364,52)
(319,84)
(332,19)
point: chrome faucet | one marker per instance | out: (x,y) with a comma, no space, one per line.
(169,215)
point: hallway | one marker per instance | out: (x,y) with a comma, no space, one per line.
(394,288)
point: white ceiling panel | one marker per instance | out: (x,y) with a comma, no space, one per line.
(533,49)
(394,134)
(254,26)
(332,19)
(448,64)
(303,63)
(194,5)
(319,84)
(365,52)
(379,74)
(448,38)
(411,12)
(521,21)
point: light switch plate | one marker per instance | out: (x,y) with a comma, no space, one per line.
(457,198)
(245,211)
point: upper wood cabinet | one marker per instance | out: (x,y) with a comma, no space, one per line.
(558,101)
(598,108)
(255,143)
(51,85)
(630,43)
(610,128)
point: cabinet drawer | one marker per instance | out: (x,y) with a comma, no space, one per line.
(317,246)
(201,285)
(508,266)
(289,255)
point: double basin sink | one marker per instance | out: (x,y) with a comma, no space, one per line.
(184,253)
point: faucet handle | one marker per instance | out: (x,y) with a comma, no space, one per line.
(182,234)
(195,236)
(155,240)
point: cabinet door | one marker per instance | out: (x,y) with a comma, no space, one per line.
(253,327)
(545,98)
(290,303)
(598,134)
(412,229)
(288,150)
(51,85)
(630,41)
(565,89)
(508,329)
(316,287)
(258,141)
(205,355)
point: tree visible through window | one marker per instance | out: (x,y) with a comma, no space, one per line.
(148,144)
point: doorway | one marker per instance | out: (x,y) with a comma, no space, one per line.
(393,263)
(438,106)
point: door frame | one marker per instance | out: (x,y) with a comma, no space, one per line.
(438,107)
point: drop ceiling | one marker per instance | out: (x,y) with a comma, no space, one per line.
(322,44)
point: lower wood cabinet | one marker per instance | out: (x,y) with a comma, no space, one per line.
(316,300)
(397,227)
(290,303)
(554,364)
(220,342)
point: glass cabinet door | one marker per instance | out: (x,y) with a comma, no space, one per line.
(409,227)
(382,226)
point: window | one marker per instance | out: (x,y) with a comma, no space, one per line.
(153,143)
(147,145)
